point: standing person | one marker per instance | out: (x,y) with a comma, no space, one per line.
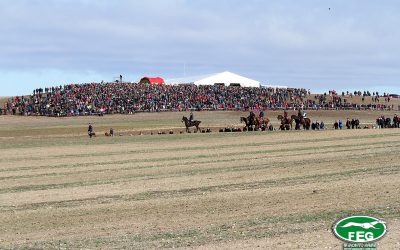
(111,132)
(340,124)
(348,124)
(90,130)
(336,125)
(396,121)
(353,123)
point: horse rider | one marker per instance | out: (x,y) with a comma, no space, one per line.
(90,130)
(251,118)
(191,117)
(285,117)
(301,114)
(261,115)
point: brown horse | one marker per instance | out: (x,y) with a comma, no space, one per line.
(257,124)
(261,123)
(305,122)
(189,124)
(285,125)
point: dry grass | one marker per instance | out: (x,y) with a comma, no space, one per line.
(273,190)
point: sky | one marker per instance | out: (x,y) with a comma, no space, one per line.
(316,44)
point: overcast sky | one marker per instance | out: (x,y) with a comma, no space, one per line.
(316,44)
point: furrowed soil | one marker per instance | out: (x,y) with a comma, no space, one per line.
(268,190)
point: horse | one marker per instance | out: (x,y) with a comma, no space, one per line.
(261,123)
(306,122)
(189,124)
(297,125)
(285,125)
(257,123)
(247,122)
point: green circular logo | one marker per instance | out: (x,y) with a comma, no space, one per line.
(360,229)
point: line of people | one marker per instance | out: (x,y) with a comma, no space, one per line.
(386,122)
(354,123)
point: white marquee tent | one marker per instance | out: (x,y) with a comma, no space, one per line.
(226,78)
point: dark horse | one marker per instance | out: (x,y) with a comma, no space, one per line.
(306,122)
(189,124)
(247,122)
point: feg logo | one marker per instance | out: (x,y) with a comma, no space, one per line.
(359,229)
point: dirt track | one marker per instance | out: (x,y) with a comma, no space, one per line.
(275,190)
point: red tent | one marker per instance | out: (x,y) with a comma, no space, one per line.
(152,80)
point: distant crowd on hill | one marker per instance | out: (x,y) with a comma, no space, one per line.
(333,100)
(128,98)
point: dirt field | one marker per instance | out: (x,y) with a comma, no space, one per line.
(267,190)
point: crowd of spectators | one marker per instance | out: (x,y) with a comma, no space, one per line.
(333,100)
(128,98)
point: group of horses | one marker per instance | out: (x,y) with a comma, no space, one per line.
(256,124)
(300,122)
(260,123)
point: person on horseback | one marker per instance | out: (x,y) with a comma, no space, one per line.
(300,113)
(285,117)
(300,116)
(191,117)
(251,118)
(261,115)
(262,120)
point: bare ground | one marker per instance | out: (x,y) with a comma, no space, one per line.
(267,190)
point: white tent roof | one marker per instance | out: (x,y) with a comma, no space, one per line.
(226,78)
(274,86)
